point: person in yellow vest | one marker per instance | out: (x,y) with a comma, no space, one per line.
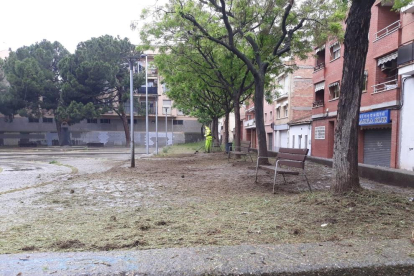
(209,139)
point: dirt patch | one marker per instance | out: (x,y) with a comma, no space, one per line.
(215,203)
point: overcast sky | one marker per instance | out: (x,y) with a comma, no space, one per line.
(24,22)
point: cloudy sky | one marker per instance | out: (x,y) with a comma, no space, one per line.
(24,22)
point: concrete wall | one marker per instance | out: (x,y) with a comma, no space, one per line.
(111,134)
(305,131)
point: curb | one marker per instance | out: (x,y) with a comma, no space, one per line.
(353,258)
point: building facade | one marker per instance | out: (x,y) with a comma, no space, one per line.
(380,118)
(289,110)
(173,126)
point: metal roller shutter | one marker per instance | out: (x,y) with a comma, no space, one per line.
(377,147)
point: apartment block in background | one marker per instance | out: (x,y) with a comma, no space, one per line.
(380,119)
(173,126)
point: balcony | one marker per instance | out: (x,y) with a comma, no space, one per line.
(317,104)
(405,54)
(250,123)
(139,110)
(319,67)
(151,90)
(385,86)
(250,108)
(282,95)
(387,30)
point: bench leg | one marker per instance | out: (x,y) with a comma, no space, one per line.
(274,178)
(251,157)
(304,174)
(284,179)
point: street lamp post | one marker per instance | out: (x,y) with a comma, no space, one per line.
(172,131)
(146,104)
(131,59)
(166,122)
(156,125)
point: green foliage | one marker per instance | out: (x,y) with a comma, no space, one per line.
(98,73)
(76,112)
(34,77)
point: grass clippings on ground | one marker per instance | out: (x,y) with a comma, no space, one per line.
(197,200)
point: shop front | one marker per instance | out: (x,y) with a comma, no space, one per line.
(376,130)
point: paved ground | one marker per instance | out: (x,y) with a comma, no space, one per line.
(385,258)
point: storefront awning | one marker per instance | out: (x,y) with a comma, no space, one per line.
(320,86)
(387,58)
(334,84)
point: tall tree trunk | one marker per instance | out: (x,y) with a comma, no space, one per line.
(260,127)
(126,128)
(59,131)
(345,159)
(214,131)
(226,128)
(237,130)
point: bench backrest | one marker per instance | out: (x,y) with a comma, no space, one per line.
(292,157)
(245,146)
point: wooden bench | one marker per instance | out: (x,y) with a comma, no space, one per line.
(243,150)
(294,158)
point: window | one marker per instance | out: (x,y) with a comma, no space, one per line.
(278,112)
(105,121)
(47,120)
(129,121)
(286,111)
(300,141)
(92,121)
(293,141)
(334,91)
(33,120)
(365,82)
(271,116)
(335,51)
(265,118)
(166,107)
(181,122)
(180,112)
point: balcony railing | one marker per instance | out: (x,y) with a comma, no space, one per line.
(387,30)
(151,90)
(139,110)
(385,86)
(282,95)
(250,123)
(318,103)
(319,67)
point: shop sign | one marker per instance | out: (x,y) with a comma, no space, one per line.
(320,132)
(374,118)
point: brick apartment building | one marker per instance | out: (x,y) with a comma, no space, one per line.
(108,129)
(380,119)
(288,117)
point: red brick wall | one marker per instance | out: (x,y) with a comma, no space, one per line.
(381,17)
(407,23)
(323,148)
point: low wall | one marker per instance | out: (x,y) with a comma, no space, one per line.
(108,138)
(389,176)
